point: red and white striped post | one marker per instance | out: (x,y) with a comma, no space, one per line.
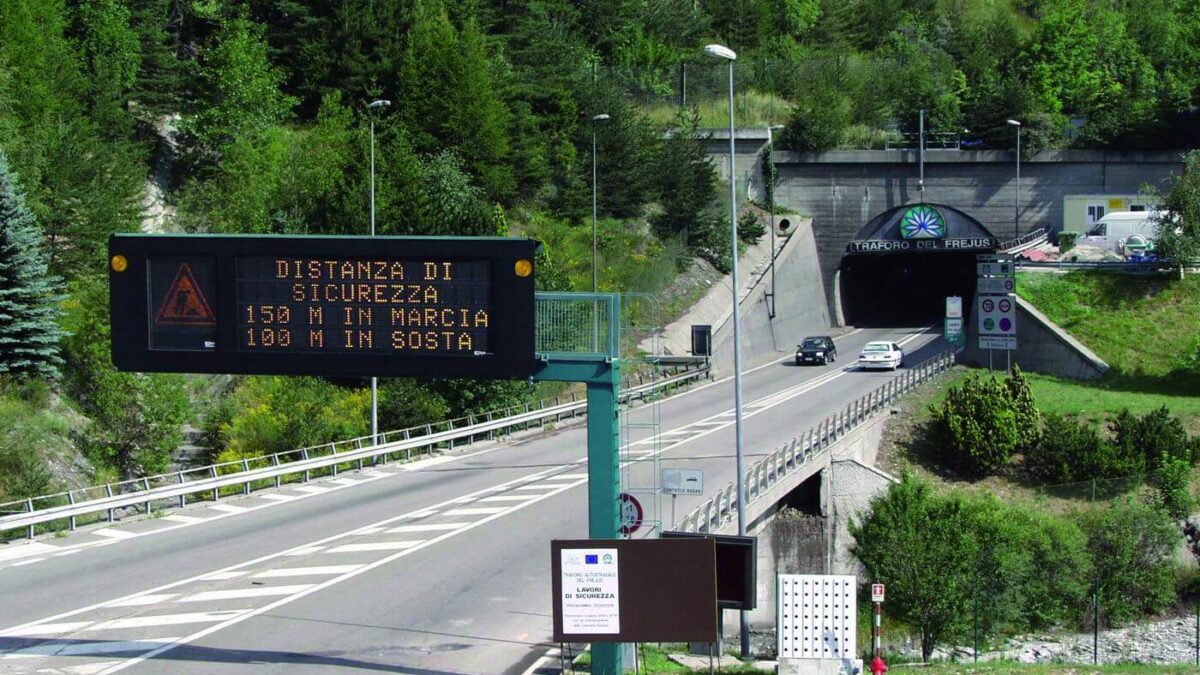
(877,665)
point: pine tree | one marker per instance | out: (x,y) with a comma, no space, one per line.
(29,295)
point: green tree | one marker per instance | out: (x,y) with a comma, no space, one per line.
(1028,419)
(239,88)
(29,294)
(112,57)
(1132,547)
(977,425)
(1178,229)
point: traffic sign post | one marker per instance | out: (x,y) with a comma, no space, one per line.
(677,482)
(877,598)
(953,330)
(996,304)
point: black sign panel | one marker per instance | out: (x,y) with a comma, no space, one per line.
(904,245)
(737,568)
(339,306)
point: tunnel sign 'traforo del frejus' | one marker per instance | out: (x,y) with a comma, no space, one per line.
(434,307)
(922,227)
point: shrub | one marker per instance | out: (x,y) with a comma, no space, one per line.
(1132,548)
(1155,437)
(977,425)
(279,414)
(1029,420)
(1070,451)
(1171,483)
(1066,241)
(750,227)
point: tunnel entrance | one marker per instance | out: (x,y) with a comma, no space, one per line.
(904,289)
(903,264)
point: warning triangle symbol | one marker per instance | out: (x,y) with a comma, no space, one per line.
(185,304)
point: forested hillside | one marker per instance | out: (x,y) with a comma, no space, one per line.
(251,116)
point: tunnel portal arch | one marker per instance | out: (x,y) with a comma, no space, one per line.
(904,262)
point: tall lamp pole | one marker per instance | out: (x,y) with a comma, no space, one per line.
(598,118)
(374,105)
(723,52)
(771,199)
(1017,194)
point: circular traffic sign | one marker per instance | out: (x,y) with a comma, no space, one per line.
(631,514)
(989,324)
(1005,324)
(1009,284)
(988,305)
(1005,306)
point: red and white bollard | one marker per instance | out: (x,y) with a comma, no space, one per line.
(878,667)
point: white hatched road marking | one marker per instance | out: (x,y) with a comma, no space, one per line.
(113,534)
(312,489)
(305,571)
(144,600)
(227,508)
(304,551)
(222,576)
(45,628)
(13,552)
(167,620)
(89,649)
(539,486)
(257,592)
(27,562)
(276,497)
(376,546)
(183,519)
(507,498)
(481,511)
(431,527)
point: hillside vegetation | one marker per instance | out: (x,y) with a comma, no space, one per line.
(250,116)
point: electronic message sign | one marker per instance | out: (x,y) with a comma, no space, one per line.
(352,306)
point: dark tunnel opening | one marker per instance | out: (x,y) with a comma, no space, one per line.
(904,289)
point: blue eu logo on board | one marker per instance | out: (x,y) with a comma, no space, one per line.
(922,222)
(591,559)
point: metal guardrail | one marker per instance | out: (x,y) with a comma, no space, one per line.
(1026,241)
(1156,267)
(785,460)
(177,486)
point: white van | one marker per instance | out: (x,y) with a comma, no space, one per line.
(1123,232)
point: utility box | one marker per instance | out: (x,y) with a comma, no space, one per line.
(816,619)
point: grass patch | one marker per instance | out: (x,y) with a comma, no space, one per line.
(652,659)
(1095,401)
(1145,328)
(750,109)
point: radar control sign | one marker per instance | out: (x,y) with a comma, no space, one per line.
(439,307)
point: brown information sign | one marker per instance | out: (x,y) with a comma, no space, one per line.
(639,590)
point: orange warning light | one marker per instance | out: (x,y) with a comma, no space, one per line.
(119,263)
(523,268)
(185,304)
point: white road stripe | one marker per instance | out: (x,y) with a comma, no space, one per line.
(228,508)
(377,546)
(432,527)
(345,481)
(369,530)
(46,629)
(113,534)
(72,551)
(94,668)
(183,519)
(167,620)
(482,511)
(222,576)
(312,489)
(276,497)
(306,571)
(143,600)
(508,498)
(304,551)
(13,552)
(568,476)
(539,486)
(28,562)
(256,592)
(421,514)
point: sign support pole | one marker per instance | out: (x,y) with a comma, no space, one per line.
(601,372)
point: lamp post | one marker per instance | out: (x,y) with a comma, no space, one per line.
(377,104)
(771,199)
(722,52)
(1017,194)
(921,154)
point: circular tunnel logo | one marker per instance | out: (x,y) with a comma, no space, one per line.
(922,222)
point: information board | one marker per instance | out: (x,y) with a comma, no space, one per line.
(440,307)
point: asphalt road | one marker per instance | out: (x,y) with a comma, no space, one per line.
(440,566)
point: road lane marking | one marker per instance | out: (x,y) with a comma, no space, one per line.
(220,576)
(239,593)
(227,508)
(304,550)
(113,534)
(276,497)
(45,628)
(481,511)
(375,546)
(167,620)
(182,519)
(305,571)
(27,562)
(312,489)
(539,486)
(144,600)
(89,649)
(507,498)
(432,527)
(13,552)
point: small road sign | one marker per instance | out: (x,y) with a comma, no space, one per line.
(997,315)
(996,285)
(631,514)
(683,481)
(997,341)
(954,307)
(876,592)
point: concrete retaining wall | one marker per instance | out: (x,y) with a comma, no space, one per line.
(1042,347)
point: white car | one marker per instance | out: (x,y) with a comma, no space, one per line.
(881,355)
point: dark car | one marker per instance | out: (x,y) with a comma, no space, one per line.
(816,349)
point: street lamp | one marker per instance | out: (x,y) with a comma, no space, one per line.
(598,118)
(771,198)
(723,52)
(1017,195)
(377,104)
